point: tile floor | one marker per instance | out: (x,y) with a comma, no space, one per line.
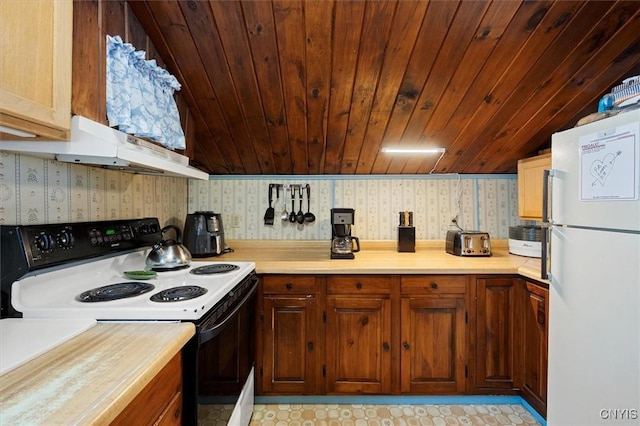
(374,415)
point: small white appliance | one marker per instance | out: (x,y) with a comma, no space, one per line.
(525,240)
(592,215)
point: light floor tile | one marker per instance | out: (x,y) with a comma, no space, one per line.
(373,415)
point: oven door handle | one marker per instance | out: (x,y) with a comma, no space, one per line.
(208,334)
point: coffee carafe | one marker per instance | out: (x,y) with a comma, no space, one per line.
(343,244)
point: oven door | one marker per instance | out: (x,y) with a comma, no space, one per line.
(226,357)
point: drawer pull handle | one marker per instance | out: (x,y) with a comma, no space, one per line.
(385,346)
(289,286)
(310,346)
(434,285)
(406,346)
(359,286)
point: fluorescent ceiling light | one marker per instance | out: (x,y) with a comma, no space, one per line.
(413,150)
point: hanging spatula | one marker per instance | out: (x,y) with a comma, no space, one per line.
(268,215)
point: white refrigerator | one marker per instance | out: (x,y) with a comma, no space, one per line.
(592,257)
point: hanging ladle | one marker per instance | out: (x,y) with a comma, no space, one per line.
(292,215)
(308,216)
(300,215)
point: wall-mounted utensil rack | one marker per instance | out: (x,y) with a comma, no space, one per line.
(297,191)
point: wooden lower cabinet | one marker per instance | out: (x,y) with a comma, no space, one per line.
(433,347)
(358,340)
(291,360)
(160,402)
(410,334)
(535,333)
(511,325)
(497,332)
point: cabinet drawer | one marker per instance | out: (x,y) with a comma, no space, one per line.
(356,284)
(289,284)
(434,284)
(160,400)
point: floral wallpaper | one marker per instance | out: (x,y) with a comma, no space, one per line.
(34,190)
(480,202)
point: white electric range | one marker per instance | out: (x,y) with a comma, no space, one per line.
(79,271)
(99,289)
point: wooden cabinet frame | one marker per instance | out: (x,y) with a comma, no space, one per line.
(35,93)
(433,345)
(535,344)
(358,356)
(497,333)
(160,402)
(530,177)
(409,334)
(291,336)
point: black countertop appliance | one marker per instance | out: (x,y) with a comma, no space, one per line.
(203,234)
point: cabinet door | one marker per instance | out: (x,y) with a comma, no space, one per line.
(535,346)
(35,70)
(530,186)
(433,351)
(290,362)
(358,345)
(496,327)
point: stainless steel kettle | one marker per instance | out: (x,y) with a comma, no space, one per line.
(168,254)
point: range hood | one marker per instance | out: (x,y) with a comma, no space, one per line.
(95,144)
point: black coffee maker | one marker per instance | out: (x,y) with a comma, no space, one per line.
(343,245)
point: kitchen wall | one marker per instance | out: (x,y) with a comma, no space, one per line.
(34,190)
(483,202)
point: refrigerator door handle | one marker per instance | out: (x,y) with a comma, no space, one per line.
(547,199)
(545,272)
(547,221)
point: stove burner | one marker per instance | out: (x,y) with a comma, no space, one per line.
(178,294)
(115,292)
(168,269)
(216,268)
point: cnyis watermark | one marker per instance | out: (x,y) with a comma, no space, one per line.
(619,414)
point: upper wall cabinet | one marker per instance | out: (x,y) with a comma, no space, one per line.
(35,70)
(530,174)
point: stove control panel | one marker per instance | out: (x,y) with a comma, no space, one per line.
(39,246)
(109,234)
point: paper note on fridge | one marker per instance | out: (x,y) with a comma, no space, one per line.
(610,164)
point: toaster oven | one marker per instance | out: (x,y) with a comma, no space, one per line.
(468,243)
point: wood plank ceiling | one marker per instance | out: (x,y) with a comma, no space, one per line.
(318,87)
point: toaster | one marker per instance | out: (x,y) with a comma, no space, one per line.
(468,243)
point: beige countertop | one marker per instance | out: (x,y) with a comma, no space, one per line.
(91,378)
(375,257)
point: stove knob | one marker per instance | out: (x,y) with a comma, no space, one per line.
(43,242)
(65,239)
